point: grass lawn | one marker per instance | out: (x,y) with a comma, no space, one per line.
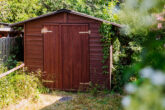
(80,101)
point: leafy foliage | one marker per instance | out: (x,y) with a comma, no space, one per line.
(16,53)
(11,62)
(107,32)
(148,92)
(19,85)
(149,95)
(136,14)
(138,37)
(106,42)
(152,43)
(18,10)
(126,51)
(91,7)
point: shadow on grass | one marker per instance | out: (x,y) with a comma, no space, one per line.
(56,103)
(86,101)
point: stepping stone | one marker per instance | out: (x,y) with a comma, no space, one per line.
(63,99)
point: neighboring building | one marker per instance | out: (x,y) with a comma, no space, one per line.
(7,31)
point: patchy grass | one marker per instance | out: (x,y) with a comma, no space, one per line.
(18,86)
(80,101)
(85,101)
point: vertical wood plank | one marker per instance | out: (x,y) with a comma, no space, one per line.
(25,44)
(67,57)
(65,17)
(1,52)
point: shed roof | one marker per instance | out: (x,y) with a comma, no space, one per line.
(66,11)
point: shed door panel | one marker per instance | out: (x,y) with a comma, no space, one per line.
(52,56)
(75,56)
(66,56)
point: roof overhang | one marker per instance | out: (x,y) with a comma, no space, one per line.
(6,24)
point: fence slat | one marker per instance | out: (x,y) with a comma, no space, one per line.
(6,44)
(1,59)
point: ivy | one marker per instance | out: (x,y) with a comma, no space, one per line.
(126,51)
(107,33)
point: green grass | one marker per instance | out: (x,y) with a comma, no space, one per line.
(86,101)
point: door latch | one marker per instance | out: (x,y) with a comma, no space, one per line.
(45,30)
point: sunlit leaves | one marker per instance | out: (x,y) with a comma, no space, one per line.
(138,15)
(18,10)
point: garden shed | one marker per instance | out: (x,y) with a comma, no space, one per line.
(66,46)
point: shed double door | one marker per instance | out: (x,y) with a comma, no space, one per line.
(66,56)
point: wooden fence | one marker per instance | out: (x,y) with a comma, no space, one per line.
(6,43)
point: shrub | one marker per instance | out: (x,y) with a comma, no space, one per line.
(19,85)
(149,95)
(11,62)
(146,43)
(126,51)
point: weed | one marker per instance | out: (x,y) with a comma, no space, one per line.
(19,85)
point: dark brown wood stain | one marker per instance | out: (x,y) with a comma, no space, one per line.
(66,57)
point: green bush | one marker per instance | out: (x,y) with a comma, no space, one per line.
(126,51)
(148,91)
(19,85)
(11,62)
(149,95)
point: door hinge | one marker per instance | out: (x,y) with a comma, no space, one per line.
(87,83)
(85,32)
(47,81)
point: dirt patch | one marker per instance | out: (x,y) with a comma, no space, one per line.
(28,104)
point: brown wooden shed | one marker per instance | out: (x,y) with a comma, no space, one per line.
(66,46)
